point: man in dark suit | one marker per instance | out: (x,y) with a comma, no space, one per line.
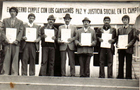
(67,47)
(106,53)
(122,53)
(11,50)
(85,52)
(2,38)
(30,48)
(48,48)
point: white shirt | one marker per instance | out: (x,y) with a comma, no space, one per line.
(106,31)
(66,26)
(30,24)
(86,29)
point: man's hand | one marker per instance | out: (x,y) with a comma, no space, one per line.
(111,41)
(24,38)
(70,40)
(127,46)
(37,40)
(7,41)
(53,37)
(79,44)
(60,41)
(93,44)
(44,36)
(15,42)
(100,40)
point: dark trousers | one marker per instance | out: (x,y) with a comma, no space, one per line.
(10,64)
(71,60)
(105,54)
(48,58)
(29,55)
(84,60)
(122,55)
(1,59)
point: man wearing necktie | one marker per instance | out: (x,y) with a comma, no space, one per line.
(67,47)
(126,53)
(85,52)
(106,53)
(30,48)
(10,65)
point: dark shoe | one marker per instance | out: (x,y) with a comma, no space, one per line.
(120,78)
(101,77)
(128,78)
(110,77)
(4,74)
(72,76)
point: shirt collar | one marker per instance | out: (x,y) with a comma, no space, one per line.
(86,29)
(67,26)
(126,26)
(30,24)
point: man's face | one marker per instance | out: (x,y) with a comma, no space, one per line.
(51,21)
(125,21)
(13,13)
(86,23)
(107,21)
(67,21)
(31,19)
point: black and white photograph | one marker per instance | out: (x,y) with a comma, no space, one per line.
(69,45)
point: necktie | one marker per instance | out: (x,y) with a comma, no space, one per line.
(67,26)
(12,23)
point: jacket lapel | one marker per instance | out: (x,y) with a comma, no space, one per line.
(128,30)
(9,22)
(16,22)
(111,30)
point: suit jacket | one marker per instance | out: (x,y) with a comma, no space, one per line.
(131,32)
(85,49)
(47,44)
(114,36)
(38,35)
(63,46)
(18,24)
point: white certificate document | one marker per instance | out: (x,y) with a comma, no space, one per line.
(65,35)
(31,34)
(122,41)
(11,34)
(106,37)
(86,39)
(50,34)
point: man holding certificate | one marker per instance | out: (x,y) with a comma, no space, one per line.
(31,37)
(126,40)
(85,41)
(13,29)
(49,39)
(107,38)
(66,38)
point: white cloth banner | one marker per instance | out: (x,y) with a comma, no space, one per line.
(11,34)
(77,10)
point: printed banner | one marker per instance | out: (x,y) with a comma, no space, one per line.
(95,11)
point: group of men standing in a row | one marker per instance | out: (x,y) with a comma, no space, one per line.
(11,50)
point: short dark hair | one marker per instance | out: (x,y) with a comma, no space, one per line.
(107,18)
(14,8)
(126,16)
(31,14)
